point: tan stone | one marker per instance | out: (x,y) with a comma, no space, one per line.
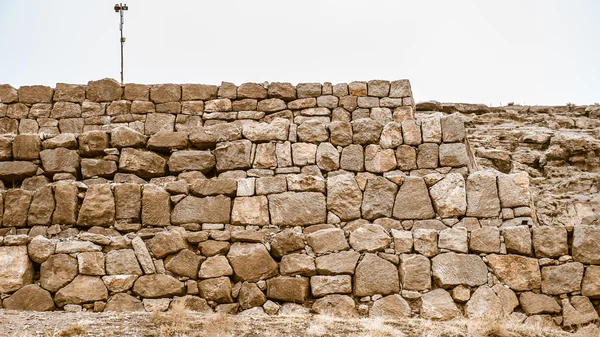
(550,241)
(57,271)
(288,289)
(449,196)
(166,243)
(285,242)
(518,272)
(513,189)
(40,249)
(297,264)
(375,275)
(336,306)
(83,289)
(122,261)
(250,211)
(233,155)
(291,208)
(484,304)
(182,161)
(378,198)
(438,305)
(16,207)
(412,200)
(451,269)
(123,136)
(216,289)
(250,296)
(586,244)
(482,195)
(590,286)
(369,238)
(485,240)
(67,203)
(327,240)
(202,210)
(366,131)
(142,163)
(143,255)
(453,155)
(562,279)
(91,263)
(415,272)
(251,262)
(517,240)
(157,286)
(337,263)
(124,303)
(127,201)
(578,310)
(261,132)
(185,263)
(119,283)
(42,205)
(215,266)
(98,207)
(17,268)
(31,298)
(104,90)
(326,285)
(534,304)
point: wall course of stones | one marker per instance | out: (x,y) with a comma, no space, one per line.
(270,196)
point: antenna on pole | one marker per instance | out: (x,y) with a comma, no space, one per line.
(120,8)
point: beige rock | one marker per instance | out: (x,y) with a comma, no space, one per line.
(215,266)
(261,132)
(297,264)
(550,241)
(265,156)
(517,240)
(216,289)
(344,197)
(212,247)
(586,244)
(453,155)
(562,279)
(485,240)
(534,304)
(233,155)
(375,275)
(326,285)
(513,189)
(412,200)
(507,298)
(16,206)
(518,272)
(251,262)
(26,147)
(451,269)
(157,286)
(406,157)
(124,303)
(427,156)
(164,93)
(30,94)
(328,157)
(352,158)
(67,204)
(123,136)
(327,240)
(93,143)
(288,289)
(305,208)
(119,283)
(336,306)
(57,271)
(122,261)
(454,239)
(83,289)
(411,132)
(578,311)
(91,263)
(453,128)
(392,307)
(590,286)
(250,211)
(251,296)
(366,131)
(40,249)
(378,199)
(185,263)
(203,92)
(202,210)
(127,201)
(425,241)
(285,242)
(379,160)
(143,255)
(31,298)
(205,187)
(166,243)
(391,136)
(369,238)
(337,263)
(484,304)
(415,272)
(98,207)
(438,305)
(285,91)
(98,168)
(449,196)
(142,163)
(42,205)
(251,90)
(403,241)
(17,268)
(104,90)
(182,161)
(482,195)
(8,94)
(17,170)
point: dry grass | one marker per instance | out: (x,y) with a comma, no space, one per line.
(71,331)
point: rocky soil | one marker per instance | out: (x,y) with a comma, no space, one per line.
(559,146)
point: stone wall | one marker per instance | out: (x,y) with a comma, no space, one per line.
(271,198)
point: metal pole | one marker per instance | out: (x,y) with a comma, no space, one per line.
(122,43)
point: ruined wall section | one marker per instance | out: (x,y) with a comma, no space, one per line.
(270,198)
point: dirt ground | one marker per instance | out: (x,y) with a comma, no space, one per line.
(55,324)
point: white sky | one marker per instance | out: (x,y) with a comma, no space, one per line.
(480,51)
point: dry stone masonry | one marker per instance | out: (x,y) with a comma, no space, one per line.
(272,198)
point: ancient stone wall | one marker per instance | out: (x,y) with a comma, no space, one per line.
(271,198)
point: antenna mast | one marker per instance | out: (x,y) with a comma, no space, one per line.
(120,8)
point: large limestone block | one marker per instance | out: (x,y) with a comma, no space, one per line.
(31,298)
(57,271)
(352,158)
(337,263)
(285,242)
(17,170)
(215,266)
(83,289)
(93,143)
(344,197)
(26,147)
(30,94)
(91,263)
(67,204)
(453,128)
(251,262)
(156,206)
(293,209)
(65,92)
(16,207)
(534,304)
(8,94)
(297,264)
(185,263)
(484,304)
(128,202)
(375,275)
(143,255)
(366,131)
(216,289)
(449,196)
(119,283)
(40,249)
(263,132)
(285,91)
(328,157)
(327,240)
(518,272)
(586,244)
(369,238)
(250,296)
(304,154)
(326,285)
(288,289)
(202,210)
(578,310)
(104,90)
(207,136)
(206,187)
(98,207)
(379,160)
(514,189)
(438,305)
(451,269)
(482,195)
(124,303)
(391,307)
(98,168)
(454,239)
(391,136)
(412,200)
(336,306)
(122,261)
(166,243)
(251,90)
(550,241)
(157,286)
(181,161)
(17,269)
(123,136)
(378,199)
(485,240)
(517,240)
(250,211)
(234,155)
(166,141)
(590,286)
(415,272)
(453,155)
(145,164)
(60,160)
(562,279)
(164,93)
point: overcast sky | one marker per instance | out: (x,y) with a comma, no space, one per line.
(492,52)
